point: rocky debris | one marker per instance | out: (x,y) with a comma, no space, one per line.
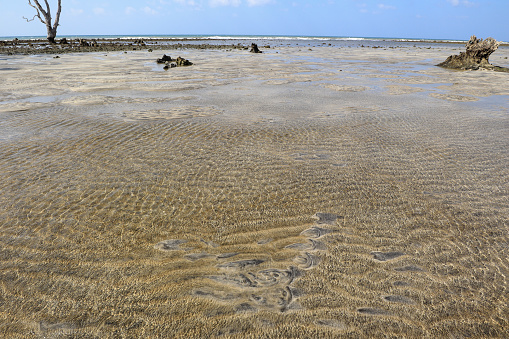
(83,43)
(164,59)
(17,46)
(254,48)
(475,57)
(171,63)
(63,41)
(183,62)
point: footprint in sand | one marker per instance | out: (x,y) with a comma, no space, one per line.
(245,307)
(409,268)
(316,232)
(272,276)
(171,245)
(398,299)
(264,241)
(280,298)
(312,245)
(217,295)
(240,264)
(239,280)
(209,243)
(306,260)
(197,256)
(264,278)
(333,323)
(372,311)
(226,255)
(385,256)
(253,289)
(327,218)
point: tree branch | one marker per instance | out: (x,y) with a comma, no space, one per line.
(48,9)
(39,10)
(45,17)
(57,17)
(28,20)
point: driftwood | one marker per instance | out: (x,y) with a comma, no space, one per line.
(475,57)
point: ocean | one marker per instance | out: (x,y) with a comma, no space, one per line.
(235,37)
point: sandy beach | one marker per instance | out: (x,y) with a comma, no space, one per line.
(311,191)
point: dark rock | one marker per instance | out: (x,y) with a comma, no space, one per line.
(164,59)
(83,43)
(254,48)
(475,57)
(63,41)
(183,62)
(169,65)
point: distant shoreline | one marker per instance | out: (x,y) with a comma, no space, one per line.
(86,44)
(235,37)
(39,45)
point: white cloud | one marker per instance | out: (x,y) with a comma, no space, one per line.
(217,3)
(462,2)
(363,8)
(258,2)
(149,11)
(182,2)
(129,10)
(99,11)
(75,11)
(194,4)
(384,6)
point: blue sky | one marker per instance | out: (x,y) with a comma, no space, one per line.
(433,19)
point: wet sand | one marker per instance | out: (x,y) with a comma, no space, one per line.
(306,192)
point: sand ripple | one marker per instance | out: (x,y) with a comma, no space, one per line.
(138,205)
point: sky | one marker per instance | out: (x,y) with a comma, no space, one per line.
(426,19)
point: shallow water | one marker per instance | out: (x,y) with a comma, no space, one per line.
(247,208)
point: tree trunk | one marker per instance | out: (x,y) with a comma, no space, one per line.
(45,17)
(52,33)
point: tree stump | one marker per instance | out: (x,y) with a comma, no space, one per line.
(475,57)
(254,48)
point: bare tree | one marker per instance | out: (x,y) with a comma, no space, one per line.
(45,17)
